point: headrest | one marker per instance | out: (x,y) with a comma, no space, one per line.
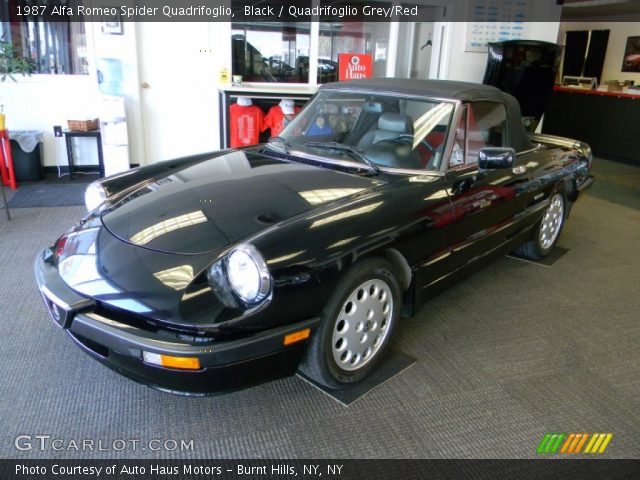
(395,122)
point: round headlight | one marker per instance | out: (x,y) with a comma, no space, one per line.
(248,274)
(94,196)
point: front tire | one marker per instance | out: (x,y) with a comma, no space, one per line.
(546,233)
(357,324)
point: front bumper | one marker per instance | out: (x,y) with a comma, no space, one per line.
(225,365)
(585,183)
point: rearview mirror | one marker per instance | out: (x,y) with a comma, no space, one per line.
(496,157)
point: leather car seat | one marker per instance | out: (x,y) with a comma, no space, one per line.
(390,125)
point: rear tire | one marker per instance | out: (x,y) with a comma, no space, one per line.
(357,324)
(548,229)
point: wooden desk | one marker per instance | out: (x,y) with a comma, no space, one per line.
(69,134)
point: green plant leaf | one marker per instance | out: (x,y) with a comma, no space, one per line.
(12,62)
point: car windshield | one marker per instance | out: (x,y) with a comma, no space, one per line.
(373,129)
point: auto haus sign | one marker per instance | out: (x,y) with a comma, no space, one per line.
(354,65)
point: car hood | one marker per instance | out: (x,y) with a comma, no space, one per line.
(221,200)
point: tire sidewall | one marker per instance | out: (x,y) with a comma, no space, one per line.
(377,269)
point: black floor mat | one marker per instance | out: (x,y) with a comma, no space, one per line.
(393,364)
(556,254)
(49,194)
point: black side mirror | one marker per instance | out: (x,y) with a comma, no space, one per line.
(496,157)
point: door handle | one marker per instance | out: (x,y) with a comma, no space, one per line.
(461,186)
(145,85)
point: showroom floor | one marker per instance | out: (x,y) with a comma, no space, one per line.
(514,352)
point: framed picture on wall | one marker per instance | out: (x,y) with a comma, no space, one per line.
(113,26)
(631,60)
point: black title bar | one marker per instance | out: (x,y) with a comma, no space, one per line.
(316,469)
(283,11)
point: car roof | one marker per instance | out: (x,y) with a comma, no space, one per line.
(464,91)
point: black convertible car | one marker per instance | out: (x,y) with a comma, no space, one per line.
(217,271)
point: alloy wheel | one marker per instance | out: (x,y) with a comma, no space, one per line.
(552,222)
(363,324)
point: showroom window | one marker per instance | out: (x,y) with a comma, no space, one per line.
(51,47)
(273,51)
(270,51)
(352,37)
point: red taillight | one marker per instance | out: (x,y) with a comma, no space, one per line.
(60,244)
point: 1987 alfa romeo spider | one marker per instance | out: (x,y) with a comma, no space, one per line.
(218,271)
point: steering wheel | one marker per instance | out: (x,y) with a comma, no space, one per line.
(404,137)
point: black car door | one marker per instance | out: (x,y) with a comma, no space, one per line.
(485,203)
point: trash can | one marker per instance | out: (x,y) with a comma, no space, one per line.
(26,150)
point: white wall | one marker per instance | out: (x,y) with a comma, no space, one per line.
(619,31)
(470,66)
(181,63)
(413,61)
(123,48)
(41,101)
(459,65)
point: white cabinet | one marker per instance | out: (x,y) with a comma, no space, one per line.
(115,139)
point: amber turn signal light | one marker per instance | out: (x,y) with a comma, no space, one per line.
(167,361)
(297,336)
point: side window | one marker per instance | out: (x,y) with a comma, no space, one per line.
(430,125)
(486,127)
(489,123)
(460,141)
(482,124)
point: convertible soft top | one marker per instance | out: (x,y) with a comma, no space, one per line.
(463,91)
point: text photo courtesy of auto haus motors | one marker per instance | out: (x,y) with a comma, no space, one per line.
(258,239)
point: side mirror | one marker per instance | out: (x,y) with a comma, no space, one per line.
(496,157)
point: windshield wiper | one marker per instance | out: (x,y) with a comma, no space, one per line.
(282,141)
(356,152)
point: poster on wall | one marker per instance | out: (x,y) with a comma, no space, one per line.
(488,22)
(631,61)
(354,65)
(113,26)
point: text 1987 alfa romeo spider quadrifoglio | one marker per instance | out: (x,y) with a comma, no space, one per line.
(218,271)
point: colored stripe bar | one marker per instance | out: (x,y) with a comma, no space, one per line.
(605,442)
(574,444)
(582,441)
(599,440)
(555,442)
(565,447)
(598,443)
(551,443)
(594,437)
(543,443)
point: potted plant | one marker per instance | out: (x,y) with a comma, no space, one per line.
(11,62)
